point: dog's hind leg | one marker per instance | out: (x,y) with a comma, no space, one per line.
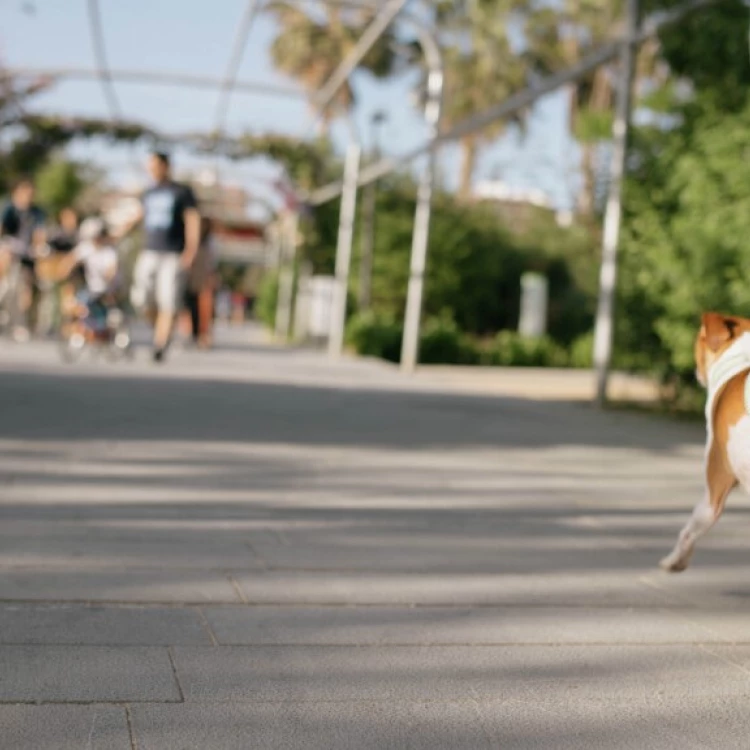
(719,483)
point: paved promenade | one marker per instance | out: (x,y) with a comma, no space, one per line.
(258,548)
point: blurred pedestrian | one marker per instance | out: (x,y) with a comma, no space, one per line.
(199,292)
(63,237)
(22,221)
(172,223)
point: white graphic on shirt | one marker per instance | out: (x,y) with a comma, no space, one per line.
(159,209)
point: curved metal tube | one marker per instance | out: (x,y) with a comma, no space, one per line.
(235,60)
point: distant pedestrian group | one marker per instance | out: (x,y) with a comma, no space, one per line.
(174,269)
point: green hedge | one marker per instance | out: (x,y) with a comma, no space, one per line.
(441,342)
(372,335)
(509,349)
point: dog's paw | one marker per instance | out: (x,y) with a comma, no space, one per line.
(674,563)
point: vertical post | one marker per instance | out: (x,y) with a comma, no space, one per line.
(368,245)
(369,210)
(344,250)
(421,236)
(603,331)
(288,251)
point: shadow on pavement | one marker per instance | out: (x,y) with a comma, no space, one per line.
(91,407)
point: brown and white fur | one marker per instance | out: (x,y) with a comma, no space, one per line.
(728,453)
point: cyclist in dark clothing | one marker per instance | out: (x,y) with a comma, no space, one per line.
(22,221)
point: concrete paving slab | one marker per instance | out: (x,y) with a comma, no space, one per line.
(706,585)
(65,674)
(134,554)
(82,584)
(736,654)
(454,625)
(92,625)
(91,727)
(509,546)
(597,673)
(462,725)
(617,589)
(461,555)
(315,726)
(663,723)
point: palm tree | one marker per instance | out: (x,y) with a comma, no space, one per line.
(309,49)
(482,67)
(562,38)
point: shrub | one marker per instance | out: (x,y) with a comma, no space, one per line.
(373,335)
(510,349)
(441,342)
(582,351)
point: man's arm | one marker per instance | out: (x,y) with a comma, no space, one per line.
(192,219)
(130,226)
(67,263)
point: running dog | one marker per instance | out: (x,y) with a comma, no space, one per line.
(722,356)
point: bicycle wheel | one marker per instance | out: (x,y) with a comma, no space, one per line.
(121,344)
(72,342)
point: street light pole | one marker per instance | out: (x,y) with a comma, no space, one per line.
(420,238)
(603,331)
(368,218)
(344,251)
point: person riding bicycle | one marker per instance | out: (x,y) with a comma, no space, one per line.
(99,261)
(22,231)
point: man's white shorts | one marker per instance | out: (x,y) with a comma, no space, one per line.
(158,278)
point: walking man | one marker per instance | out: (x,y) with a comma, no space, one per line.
(172,227)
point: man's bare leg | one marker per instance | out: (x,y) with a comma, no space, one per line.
(163,330)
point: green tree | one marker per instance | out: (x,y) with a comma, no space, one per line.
(60,183)
(30,140)
(482,67)
(309,48)
(684,248)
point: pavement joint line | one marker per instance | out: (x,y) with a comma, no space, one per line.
(673,596)
(170,653)
(247,701)
(686,605)
(256,557)
(281,539)
(131,730)
(707,648)
(237,588)
(384,644)
(207,626)
(97,566)
(121,704)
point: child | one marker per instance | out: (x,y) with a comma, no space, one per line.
(98,258)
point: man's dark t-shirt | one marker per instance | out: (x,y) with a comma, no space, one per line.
(21,224)
(163,208)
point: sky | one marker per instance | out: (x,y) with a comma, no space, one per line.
(195,37)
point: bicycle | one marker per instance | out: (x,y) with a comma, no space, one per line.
(96,326)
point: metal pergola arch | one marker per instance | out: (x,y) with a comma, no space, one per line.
(384,16)
(634,37)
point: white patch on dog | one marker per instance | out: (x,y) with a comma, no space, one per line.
(702,519)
